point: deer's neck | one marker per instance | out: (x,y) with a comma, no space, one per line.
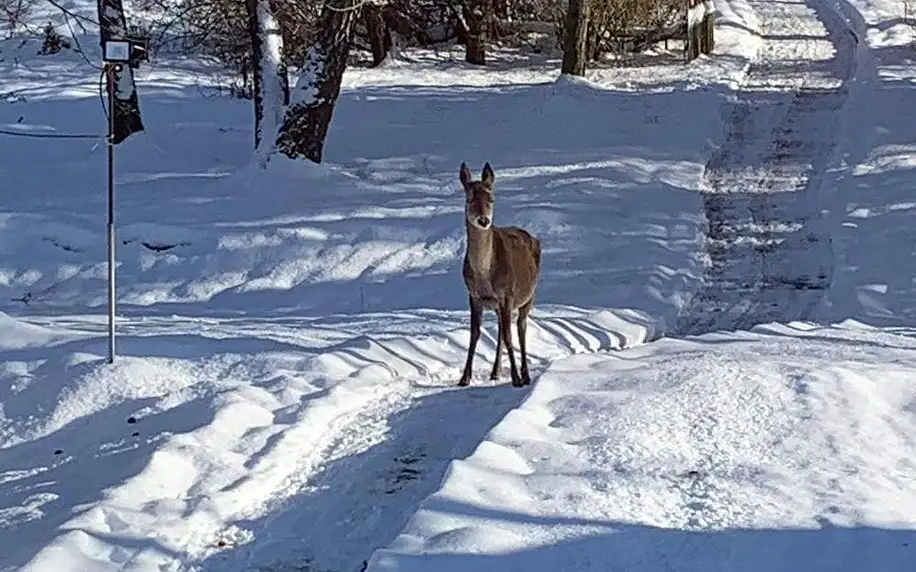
(480,249)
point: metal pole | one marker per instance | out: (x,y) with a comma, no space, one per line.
(109,72)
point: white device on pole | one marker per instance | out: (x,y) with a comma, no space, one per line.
(117,51)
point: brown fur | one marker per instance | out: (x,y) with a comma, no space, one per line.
(501,269)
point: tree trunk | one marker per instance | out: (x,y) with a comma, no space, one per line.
(394,52)
(692,47)
(575,40)
(379,34)
(270,82)
(710,22)
(308,117)
(477,14)
(461,24)
(127,120)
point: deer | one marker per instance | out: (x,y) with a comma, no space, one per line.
(501,270)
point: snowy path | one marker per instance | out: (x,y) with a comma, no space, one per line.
(245,444)
(375,465)
(768,257)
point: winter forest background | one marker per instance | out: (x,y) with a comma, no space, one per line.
(259,42)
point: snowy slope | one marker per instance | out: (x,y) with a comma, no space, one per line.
(786,448)
(869,202)
(290,340)
(383,215)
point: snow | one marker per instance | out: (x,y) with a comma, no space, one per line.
(699,454)
(356,234)
(305,91)
(786,447)
(290,338)
(869,203)
(769,247)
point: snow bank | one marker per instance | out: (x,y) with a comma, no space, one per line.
(209,437)
(690,455)
(737,31)
(737,41)
(16,334)
(882,23)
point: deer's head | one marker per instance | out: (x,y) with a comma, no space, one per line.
(478,210)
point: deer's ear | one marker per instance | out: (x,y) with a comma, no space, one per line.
(465,175)
(488,175)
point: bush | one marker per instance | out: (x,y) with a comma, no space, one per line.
(53,42)
(617,26)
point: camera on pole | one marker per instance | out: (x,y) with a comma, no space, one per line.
(115,54)
(130,50)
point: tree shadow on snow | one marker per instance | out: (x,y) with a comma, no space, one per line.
(596,174)
(635,547)
(60,475)
(871,206)
(364,494)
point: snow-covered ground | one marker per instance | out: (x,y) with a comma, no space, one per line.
(290,340)
(785,448)
(869,201)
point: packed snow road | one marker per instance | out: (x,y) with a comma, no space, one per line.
(768,255)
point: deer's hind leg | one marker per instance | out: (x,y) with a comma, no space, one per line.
(505,330)
(522,326)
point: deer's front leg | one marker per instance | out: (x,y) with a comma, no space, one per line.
(476,318)
(494,375)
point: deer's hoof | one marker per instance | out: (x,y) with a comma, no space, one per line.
(464,382)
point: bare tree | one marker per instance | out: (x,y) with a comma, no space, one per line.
(379,35)
(14,15)
(312,101)
(270,82)
(575,40)
(127,120)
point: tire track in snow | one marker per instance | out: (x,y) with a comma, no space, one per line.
(768,257)
(379,465)
(356,489)
(307,451)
